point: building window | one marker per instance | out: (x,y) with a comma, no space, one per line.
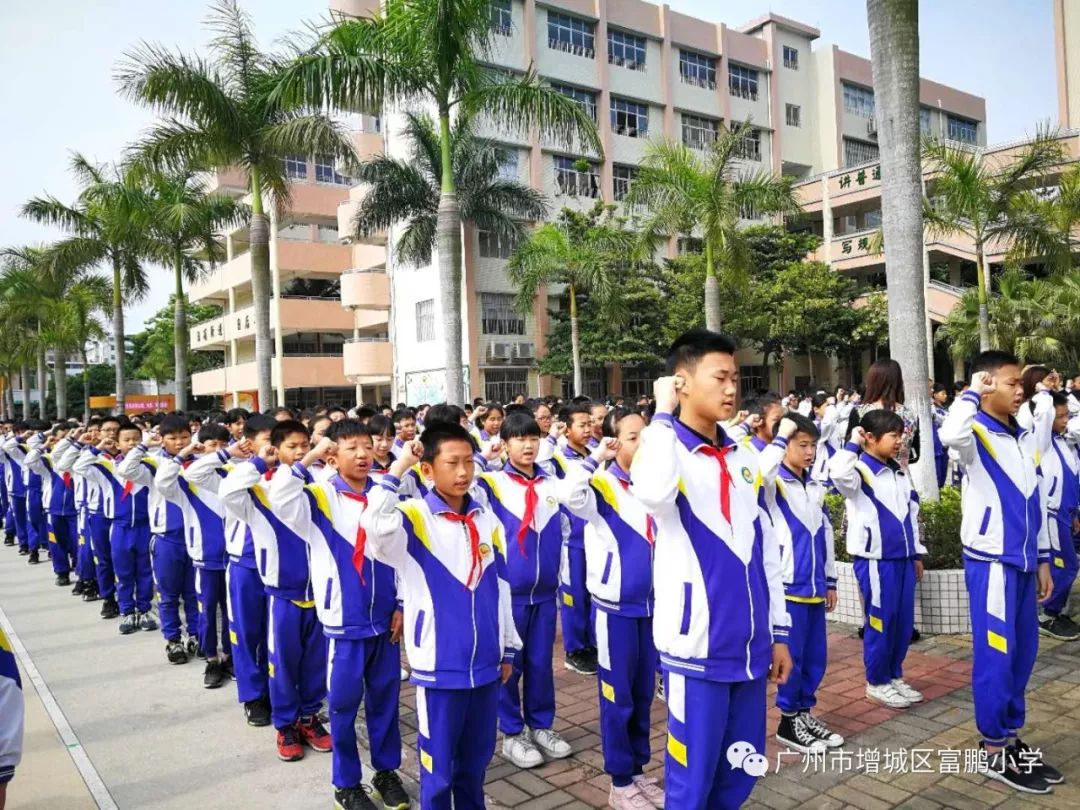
(622,177)
(791,57)
(328,234)
(858,100)
(325,172)
(629,118)
(743,82)
(924,121)
(793,115)
(571,34)
(501,18)
(498,316)
(963,129)
(425,320)
(585,99)
(699,132)
(689,245)
(749,146)
(508,163)
(504,384)
(494,245)
(697,68)
(296,231)
(295,167)
(856,152)
(576,178)
(753,379)
(625,50)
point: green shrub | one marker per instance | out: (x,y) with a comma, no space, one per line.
(940,529)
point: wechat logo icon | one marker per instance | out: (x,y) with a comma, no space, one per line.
(744,756)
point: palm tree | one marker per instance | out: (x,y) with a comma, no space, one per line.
(989,203)
(407,191)
(587,252)
(72,323)
(689,192)
(224,113)
(21,320)
(417,52)
(105,224)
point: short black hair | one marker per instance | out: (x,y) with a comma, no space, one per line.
(436,435)
(818,399)
(993,360)
(614,416)
(365,412)
(350,429)
(939,387)
(104,421)
(235,415)
(336,409)
(690,347)
(1059,398)
(568,412)
(519,424)
(403,413)
(281,409)
(214,432)
(880,421)
(285,428)
(128,425)
(803,424)
(757,406)
(443,412)
(256,424)
(380,425)
(174,424)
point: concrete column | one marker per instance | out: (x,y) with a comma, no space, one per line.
(954,272)
(826,220)
(233,353)
(275,280)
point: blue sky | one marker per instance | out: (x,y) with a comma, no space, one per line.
(60,94)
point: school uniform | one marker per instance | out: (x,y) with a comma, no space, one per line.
(63,461)
(459,629)
(575,604)
(535,528)
(37,532)
(11,712)
(1005,538)
(941,455)
(829,441)
(16,487)
(355,598)
(619,538)
(99,520)
(719,604)
(58,495)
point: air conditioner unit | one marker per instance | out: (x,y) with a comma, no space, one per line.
(526,351)
(499,351)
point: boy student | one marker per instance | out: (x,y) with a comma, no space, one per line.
(404,429)
(720,622)
(356,599)
(58,494)
(124,505)
(619,556)
(883,538)
(598,411)
(796,504)
(296,648)
(524,500)
(459,625)
(1006,562)
(574,607)
(16,483)
(99,510)
(174,573)
(36,524)
(87,586)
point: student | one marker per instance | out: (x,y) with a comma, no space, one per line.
(16,483)
(99,509)
(524,500)
(796,504)
(174,574)
(12,710)
(357,603)
(205,536)
(124,506)
(87,586)
(58,496)
(939,396)
(826,418)
(382,438)
(574,607)
(459,625)
(1006,563)
(720,624)
(404,421)
(598,411)
(489,419)
(756,430)
(5,501)
(36,524)
(234,422)
(619,558)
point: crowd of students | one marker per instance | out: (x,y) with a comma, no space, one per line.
(684,537)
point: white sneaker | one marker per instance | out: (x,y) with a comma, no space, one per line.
(520,750)
(886,695)
(910,694)
(650,789)
(551,743)
(628,798)
(404,674)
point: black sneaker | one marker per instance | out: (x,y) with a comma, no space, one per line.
(229,670)
(1004,766)
(34,557)
(1059,627)
(257,712)
(129,624)
(581,662)
(793,733)
(109,608)
(214,675)
(389,789)
(818,728)
(175,652)
(90,592)
(1025,753)
(862,631)
(24,550)
(353,798)
(63,580)
(193,648)
(9,539)
(915,635)
(79,588)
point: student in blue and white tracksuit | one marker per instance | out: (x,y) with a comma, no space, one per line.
(11,716)
(720,622)
(85,568)
(1006,561)
(99,511)
(619,541)
(58,494)
(356,599)
(883,538)
(16,483)
(524,499)
(459,625)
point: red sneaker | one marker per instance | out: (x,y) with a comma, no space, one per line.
(289,745)
(314,734)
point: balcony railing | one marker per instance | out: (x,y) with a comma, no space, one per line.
(698,81)
(570,47)
(577,184)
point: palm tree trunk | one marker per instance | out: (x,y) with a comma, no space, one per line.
(24,379)
(983,283)
(180,335)
(575,342)
(894,49)
(712,291)
(42,376)
(9,397)
(118,333)
(448,235)
(60,381)
(85,383)
(260,293)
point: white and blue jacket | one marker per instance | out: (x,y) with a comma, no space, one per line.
(203,514)
(123,501)
(1003,501)
(562,460)
(11,712)
(166,517)
(619,537)
(239,509)
(459,623)
(14,453)
(719,595)
(1060,472)
(57,488)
